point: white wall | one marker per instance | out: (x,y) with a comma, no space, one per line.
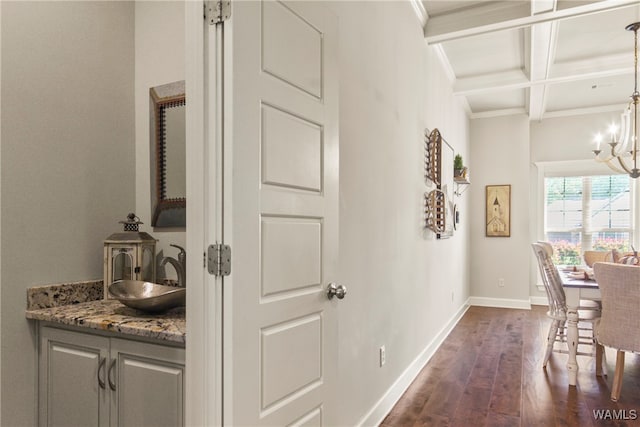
(500,155)
(159,59)
(504,151)
(403,284)
(67,161)
(568,138)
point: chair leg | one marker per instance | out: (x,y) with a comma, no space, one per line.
(617,377)
(551,338)
(599,361)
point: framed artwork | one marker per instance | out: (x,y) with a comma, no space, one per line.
(498,211)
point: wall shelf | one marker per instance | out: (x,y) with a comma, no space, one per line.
(461,183)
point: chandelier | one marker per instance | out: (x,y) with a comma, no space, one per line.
(624,145)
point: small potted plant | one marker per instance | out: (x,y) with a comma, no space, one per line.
(458,166)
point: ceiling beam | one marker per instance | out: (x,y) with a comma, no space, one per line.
(528,84)
(618,63)
(551,114)
(499,16)
(494,82)
(537,102)
(540,6)
(616,108)
(542,51)
(614,65)
(459,23)
(497,113)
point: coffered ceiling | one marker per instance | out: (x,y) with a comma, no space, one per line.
(545,58)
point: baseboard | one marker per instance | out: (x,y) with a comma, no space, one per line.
(500,302)
(539,300)
(383,406)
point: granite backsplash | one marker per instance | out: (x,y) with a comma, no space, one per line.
(57,295)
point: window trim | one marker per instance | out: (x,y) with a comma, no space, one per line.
(586,167)
(580,168)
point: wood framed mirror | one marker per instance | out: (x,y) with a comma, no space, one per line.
(167,104)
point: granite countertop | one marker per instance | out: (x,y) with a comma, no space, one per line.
(75,304)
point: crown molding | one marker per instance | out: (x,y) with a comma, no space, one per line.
(421,12)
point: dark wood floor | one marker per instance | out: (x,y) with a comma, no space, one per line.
(488,372)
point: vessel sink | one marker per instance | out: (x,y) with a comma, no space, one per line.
(147,296)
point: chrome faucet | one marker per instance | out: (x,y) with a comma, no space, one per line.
(180,265)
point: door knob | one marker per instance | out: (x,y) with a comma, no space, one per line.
(338,291)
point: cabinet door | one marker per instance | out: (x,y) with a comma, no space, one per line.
(149,383)
(70,391)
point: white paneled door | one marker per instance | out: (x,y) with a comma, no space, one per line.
(280,214)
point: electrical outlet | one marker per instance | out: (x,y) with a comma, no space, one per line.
(383,356)
(501,282)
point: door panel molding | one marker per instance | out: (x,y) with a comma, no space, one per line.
(301,65)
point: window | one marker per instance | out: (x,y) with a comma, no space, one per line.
(587,213)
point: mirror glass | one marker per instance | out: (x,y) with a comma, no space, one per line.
(168,151)
(175,176)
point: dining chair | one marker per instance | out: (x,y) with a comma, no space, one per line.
(548,247)
(586,304)
(630,258)
(558,307)
(619,326)
(591,257)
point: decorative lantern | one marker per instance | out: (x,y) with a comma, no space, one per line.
(129,255)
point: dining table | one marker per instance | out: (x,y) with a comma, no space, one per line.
(575,290)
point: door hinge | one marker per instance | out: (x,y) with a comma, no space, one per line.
(217,11)
(219,259)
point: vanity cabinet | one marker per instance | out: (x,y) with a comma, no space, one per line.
(94,380)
